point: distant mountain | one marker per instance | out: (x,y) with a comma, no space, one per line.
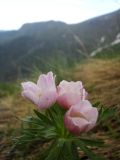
(36,43)
(98,31)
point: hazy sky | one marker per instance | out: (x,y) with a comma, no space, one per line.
(14,13)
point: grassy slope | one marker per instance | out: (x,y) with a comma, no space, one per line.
(100,77)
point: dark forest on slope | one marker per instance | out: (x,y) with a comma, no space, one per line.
(34,44)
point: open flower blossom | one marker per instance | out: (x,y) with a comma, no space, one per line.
(44,93)
(70,93)
(81,117)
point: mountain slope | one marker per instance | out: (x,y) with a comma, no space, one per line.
(98,31)
(35,44)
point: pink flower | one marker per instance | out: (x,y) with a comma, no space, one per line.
(44,93)
(81,117)
(70,93)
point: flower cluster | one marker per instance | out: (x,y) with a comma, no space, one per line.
(80,116)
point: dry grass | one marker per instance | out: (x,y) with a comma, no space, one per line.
(12,110)
(101,78)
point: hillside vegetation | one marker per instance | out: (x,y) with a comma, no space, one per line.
(100,77)
(34,44)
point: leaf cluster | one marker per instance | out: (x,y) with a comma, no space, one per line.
(55,141)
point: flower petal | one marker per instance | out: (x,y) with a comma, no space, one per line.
(70,93)
(76,125)
(46,81)
(81,117)
(85,108)
(68,99)
(47,99)
(31,96)
(30,86)
(44,94)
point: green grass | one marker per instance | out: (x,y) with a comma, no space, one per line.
(109,53)
(7,89)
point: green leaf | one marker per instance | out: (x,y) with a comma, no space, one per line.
(88,152)
(55,152)
(106,113)
(70,150)
(45,152)
(43,117)
(92,142)
(33,121)
(96,104)
(52,116)
(63,150)
(56,115)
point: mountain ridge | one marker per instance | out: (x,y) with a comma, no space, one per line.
(34,43)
